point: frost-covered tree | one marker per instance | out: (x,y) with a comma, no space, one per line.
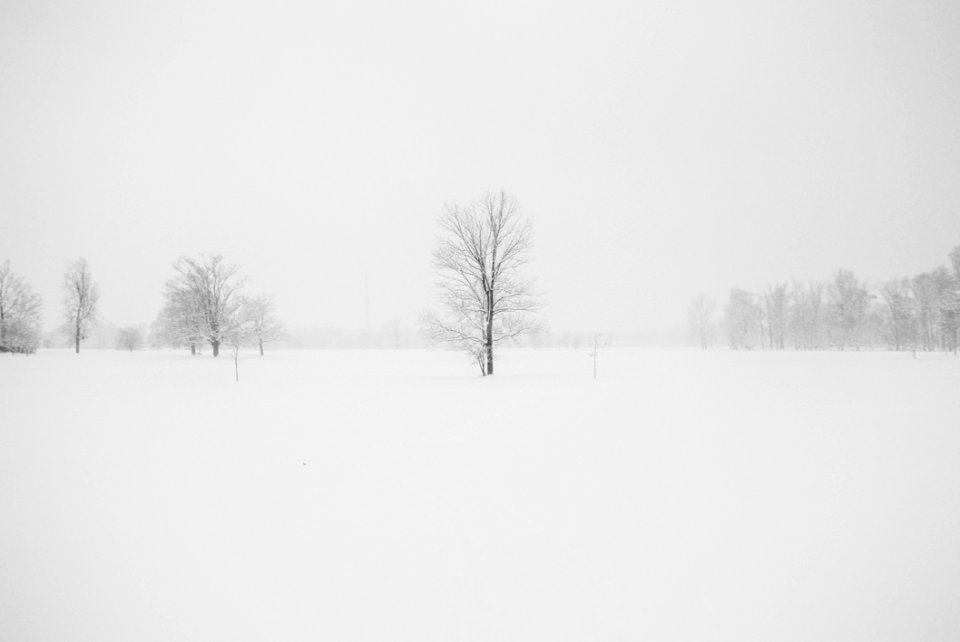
(935,294)
(264,325)
(775,307)
(742,320)
(479,264)
(700,314)
(954,257)
(19,313)
(392,329)
(129,338)
(901,313)
(179,324)
(201,303)
(806,315)
(850,300)
(951,300)
(80,299)
(922,312)
(948,303)
(925,294)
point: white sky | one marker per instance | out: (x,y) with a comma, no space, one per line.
(660,149)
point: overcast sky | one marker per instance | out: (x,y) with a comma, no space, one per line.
(660,149)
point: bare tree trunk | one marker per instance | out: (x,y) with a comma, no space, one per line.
(216,348)
(596,345)
(76,338)
(193,349)
(261,347)
(489,337)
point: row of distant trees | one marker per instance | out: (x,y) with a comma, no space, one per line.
(485,299)
(20,308)
(203,305)
(909,313)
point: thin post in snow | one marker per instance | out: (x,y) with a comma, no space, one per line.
(596,349)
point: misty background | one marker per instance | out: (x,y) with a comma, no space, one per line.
(660,149)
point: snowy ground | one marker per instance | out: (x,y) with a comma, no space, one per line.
(399,496)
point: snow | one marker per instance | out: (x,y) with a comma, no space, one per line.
(397,495)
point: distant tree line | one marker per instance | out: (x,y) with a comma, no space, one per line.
(485,299)
(919,313)
(81,296)
(20,308)
(203,305)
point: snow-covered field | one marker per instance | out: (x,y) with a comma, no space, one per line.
(399,496)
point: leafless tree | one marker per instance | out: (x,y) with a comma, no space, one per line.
(202,301)
(479,262)
(129,338)
(806,314)
(775,304)
(701,319)
(81,295)
(392,329)
(954,257)
(19,313)
(902,317)
(743,318)
(850,300)
(937,295)
(264,326)
(921,312)
(950,306)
